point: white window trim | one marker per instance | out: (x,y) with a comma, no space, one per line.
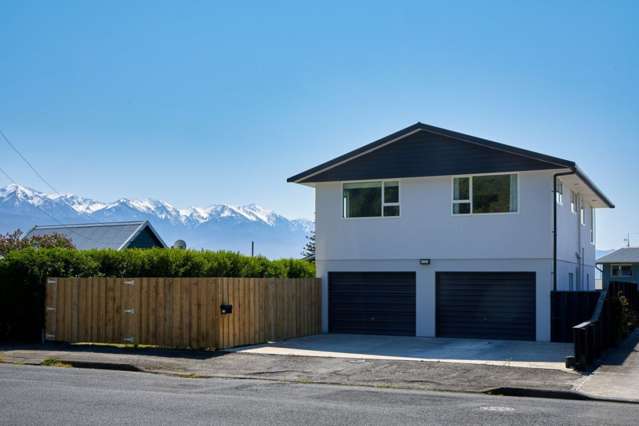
(470,194)
(619,265)
(559,195)
(574,200)
(383,181)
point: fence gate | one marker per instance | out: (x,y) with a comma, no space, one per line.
(130,311)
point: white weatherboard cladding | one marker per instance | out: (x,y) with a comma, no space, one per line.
(426,227)
(572,238)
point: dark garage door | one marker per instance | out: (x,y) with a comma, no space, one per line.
(486,305)
(372,302)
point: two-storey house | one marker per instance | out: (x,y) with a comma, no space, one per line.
(431,232)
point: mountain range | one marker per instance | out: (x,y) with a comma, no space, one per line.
(216,227)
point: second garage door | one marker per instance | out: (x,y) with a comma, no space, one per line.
(486,305)
(372,302)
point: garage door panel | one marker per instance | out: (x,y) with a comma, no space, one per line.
(492,305)
(372,302)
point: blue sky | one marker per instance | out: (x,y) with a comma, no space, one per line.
(199,103)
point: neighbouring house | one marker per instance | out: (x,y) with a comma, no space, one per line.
(431,232)
(112,235)
(621,265)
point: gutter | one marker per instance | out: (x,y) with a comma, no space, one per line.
(573,171)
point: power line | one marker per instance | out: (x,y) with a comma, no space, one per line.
(46,182)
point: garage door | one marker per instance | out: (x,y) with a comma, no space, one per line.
(372,302)
(486,305)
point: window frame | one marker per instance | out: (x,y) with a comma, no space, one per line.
(582,212)
(559,195)
(574,199)
(384,204)
(619,266)
(470,194)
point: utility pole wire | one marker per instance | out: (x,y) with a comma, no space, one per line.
(6,139)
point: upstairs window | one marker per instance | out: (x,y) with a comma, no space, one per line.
(582,212)
(485,194)
(370,199)
(621,270)
(560,193)
(573,202)
(461,195)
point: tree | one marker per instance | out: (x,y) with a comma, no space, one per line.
(14,241)
(309,248)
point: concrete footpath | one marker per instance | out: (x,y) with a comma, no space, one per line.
(618,373)
(401,374)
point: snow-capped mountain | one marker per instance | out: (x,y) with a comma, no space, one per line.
(216,227)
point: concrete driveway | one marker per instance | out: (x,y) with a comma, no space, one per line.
(474,351)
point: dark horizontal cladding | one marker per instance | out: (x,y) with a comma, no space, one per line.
(428,154)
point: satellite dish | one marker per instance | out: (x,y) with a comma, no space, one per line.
(179,244)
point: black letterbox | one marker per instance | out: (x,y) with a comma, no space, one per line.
(226,309)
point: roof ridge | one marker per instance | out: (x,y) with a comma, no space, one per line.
(83,225)
(419,126)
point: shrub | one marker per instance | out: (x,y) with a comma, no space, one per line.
(628,316)
(23,273)
(14,241)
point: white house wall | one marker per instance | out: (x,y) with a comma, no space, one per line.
(569,230)
(427,229)
(520,242)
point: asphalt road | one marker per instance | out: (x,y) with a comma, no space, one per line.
(48,395)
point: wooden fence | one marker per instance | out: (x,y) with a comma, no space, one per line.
(181,312)
(569,308)
(609,323)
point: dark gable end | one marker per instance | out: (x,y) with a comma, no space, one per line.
(425,153)
(145,239)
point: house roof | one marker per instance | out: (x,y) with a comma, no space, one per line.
(113,235)
(623,255)
(426,151)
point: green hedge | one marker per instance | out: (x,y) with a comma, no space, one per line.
(23,274)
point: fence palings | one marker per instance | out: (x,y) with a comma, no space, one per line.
(181,312)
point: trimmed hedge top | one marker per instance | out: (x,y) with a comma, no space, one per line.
(158,262)
(23,272)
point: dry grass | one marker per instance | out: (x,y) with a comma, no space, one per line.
(54,362)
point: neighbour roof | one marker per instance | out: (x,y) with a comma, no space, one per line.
(113,235)
(623,255)
(427,151)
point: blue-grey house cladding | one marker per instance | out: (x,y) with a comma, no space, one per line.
(621,265)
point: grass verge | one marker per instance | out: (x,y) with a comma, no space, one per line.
(54,362)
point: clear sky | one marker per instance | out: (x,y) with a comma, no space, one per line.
(199,103)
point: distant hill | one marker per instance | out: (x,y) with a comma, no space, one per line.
(217,227)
